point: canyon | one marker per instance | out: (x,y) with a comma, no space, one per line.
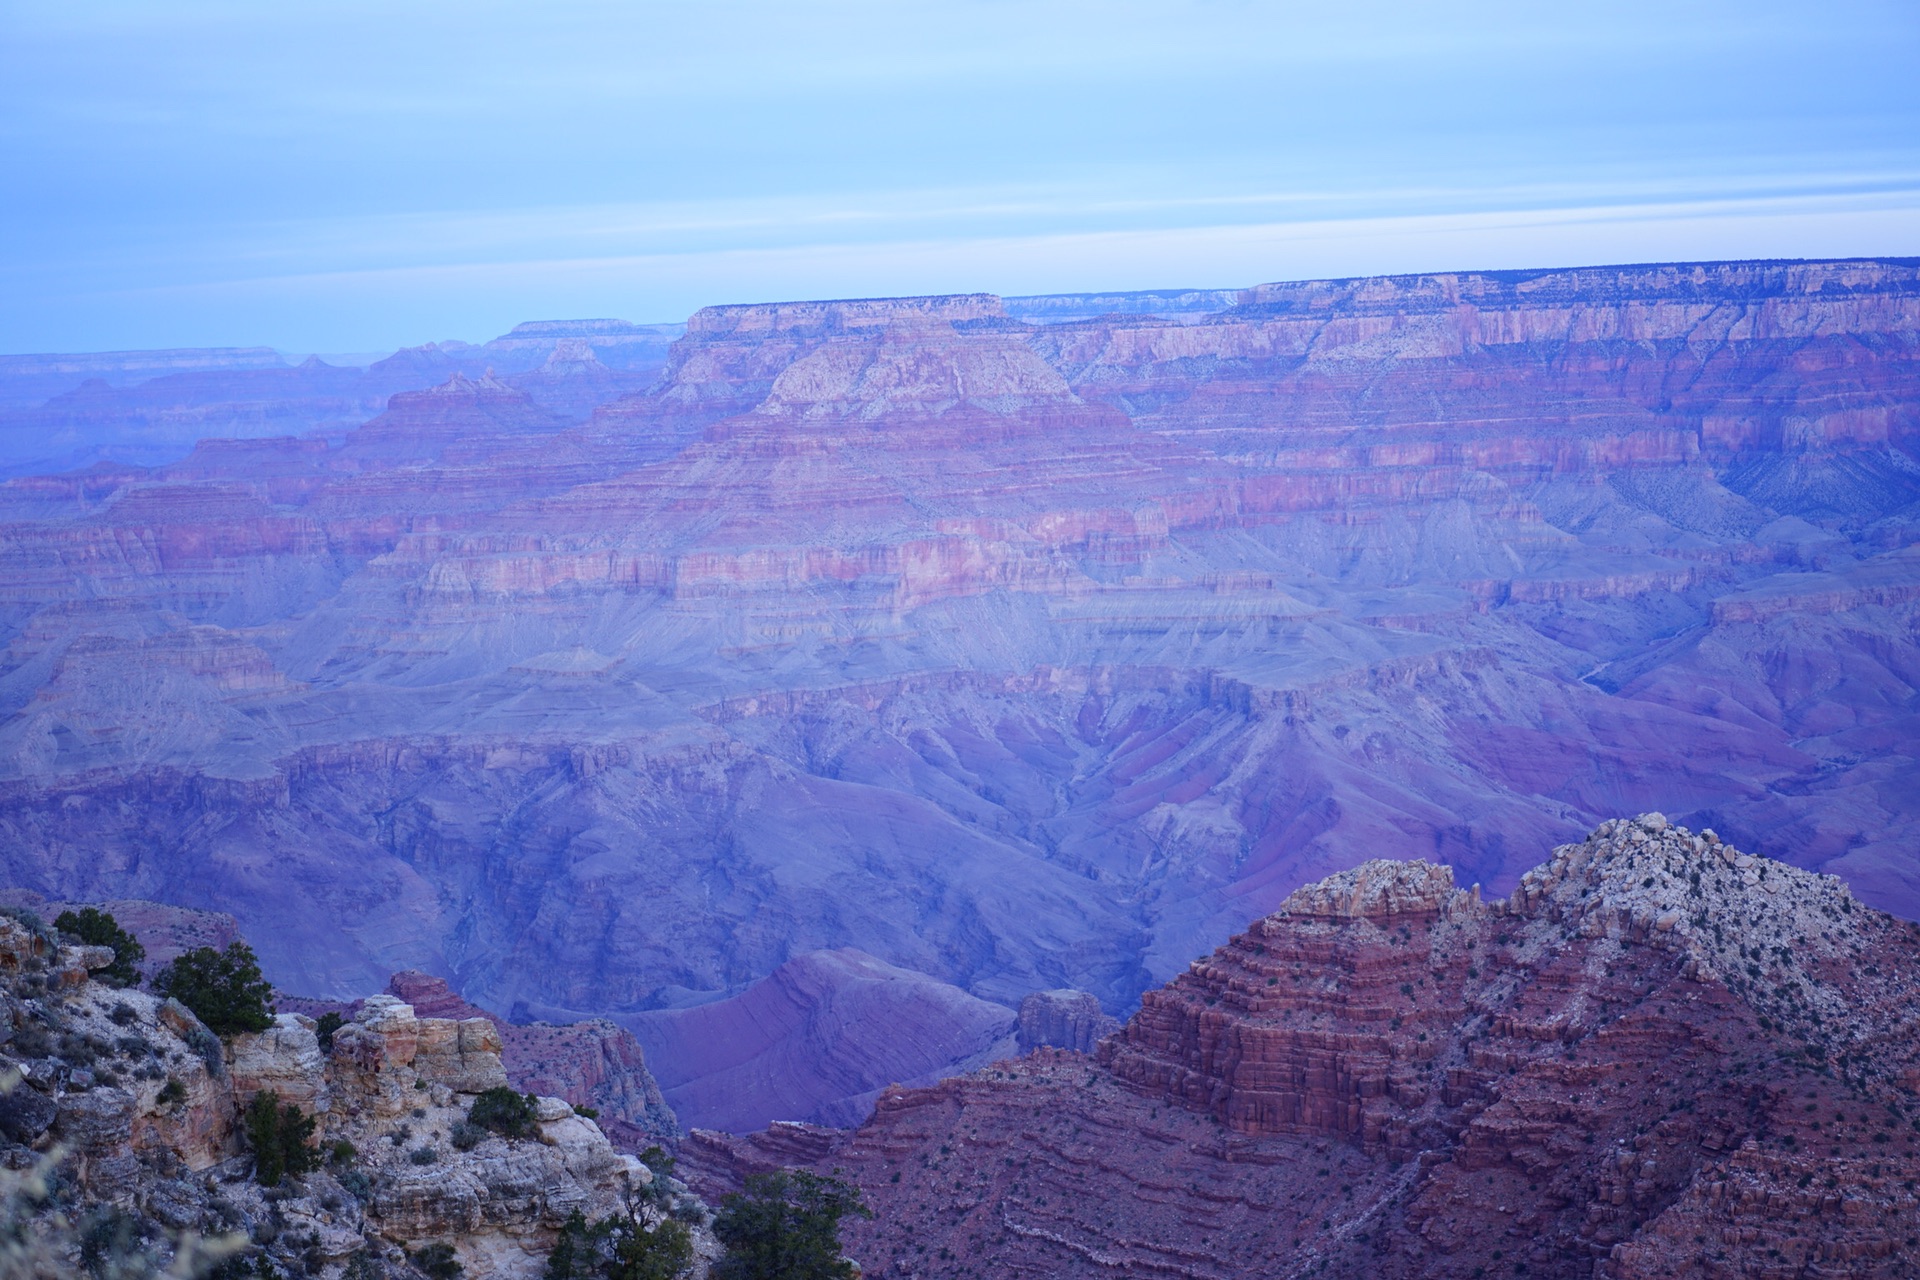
(925,655)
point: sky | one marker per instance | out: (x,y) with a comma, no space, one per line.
(347,177)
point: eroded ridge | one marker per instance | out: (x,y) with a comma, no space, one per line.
(1657,1057)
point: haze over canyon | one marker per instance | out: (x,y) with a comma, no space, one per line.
(805,689)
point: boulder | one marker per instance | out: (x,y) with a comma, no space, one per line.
(25,1113)
(463,1055)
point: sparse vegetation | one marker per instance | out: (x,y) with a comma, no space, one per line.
(785,1225)
(436,1262)
(95,928)
(279,1134)
(330,1022)
(620,1248)
(41,1236)
(509,1114)
(224,989)
(30,920)
(660,1164)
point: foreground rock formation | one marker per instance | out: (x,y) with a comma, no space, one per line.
(144,1105)
(1657,1057)
(591,1064)
(1024,657)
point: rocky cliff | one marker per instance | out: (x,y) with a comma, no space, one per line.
(1656,1057)
(1023,657)
(593,1064)
(139,1108)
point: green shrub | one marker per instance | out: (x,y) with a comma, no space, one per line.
(509,1114)
(223,988)
(207,1045)
(466,1136)
(252,1264)
(574,1255)
(661,1164)
(786,1226)
(96,928)
(619,1248)
(30,920)
(330,1022)
(279,1135)
(436,1261)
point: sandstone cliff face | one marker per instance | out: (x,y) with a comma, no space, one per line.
(1022,657)
(1657,1057)
(144,1103)
(594,1063)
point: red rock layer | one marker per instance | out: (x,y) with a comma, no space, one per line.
(1658,1058)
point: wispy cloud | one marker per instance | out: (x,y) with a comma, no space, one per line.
(340,174)
(666,286)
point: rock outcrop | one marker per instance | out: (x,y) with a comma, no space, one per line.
(594,1063)
(143,1104)
(1657,1057)
(1064,1019)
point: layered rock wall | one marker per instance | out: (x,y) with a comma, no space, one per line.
(1657,1057)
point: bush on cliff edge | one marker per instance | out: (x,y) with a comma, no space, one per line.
(509,1114)
(96,928)
(223,988)
(620,1248)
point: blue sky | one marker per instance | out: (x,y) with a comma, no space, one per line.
(347,176)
